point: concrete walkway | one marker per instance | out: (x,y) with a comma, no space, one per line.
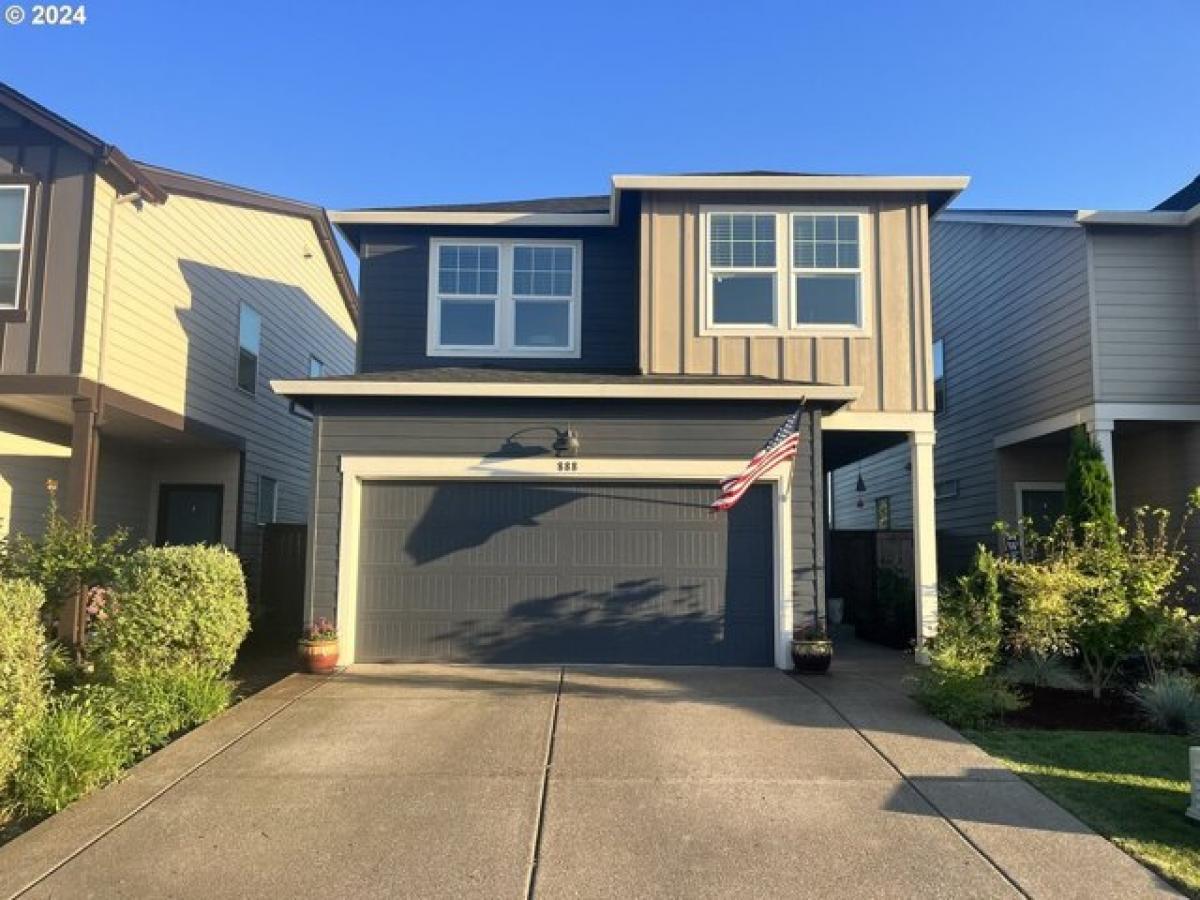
(439,781)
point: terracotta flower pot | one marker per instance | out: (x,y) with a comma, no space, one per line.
(318,657)
(812,657)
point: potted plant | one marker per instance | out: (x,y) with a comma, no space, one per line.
(319,647)
(812,650)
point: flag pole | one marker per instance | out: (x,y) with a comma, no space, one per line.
(792,473)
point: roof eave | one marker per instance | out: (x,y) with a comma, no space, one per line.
(306,390)
(1149,218)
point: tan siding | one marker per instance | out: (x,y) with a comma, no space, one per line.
(31,453)
(178,274)
(1147,316)
(895,289)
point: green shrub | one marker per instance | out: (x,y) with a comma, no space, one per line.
(1089,488)
(71,752)
(965,701)
(969,630)
(1170,702)
(201,695)
(149,706)
(24,682)
(173,606)
(69,557)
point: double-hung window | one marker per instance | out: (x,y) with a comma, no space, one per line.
(14,201)
(784,270)
(504,298)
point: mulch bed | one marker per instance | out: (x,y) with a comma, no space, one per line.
(1056,709)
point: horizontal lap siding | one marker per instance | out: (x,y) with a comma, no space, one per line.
(892,365)
(394,286)
(1147,315)
(469,428)
(179,273)
(1011,304)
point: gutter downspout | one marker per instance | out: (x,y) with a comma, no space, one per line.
(106,295)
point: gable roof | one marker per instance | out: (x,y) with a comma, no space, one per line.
(156,184)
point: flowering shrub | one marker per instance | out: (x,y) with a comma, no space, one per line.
(320,629)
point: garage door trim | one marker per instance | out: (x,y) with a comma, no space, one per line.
(357,469)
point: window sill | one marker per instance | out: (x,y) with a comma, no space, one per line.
(486,353)
(742,331)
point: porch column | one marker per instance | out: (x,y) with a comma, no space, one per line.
(79,499)
(920,444)
(1101,431)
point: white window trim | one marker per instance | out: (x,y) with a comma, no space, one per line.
(355,470)
(20,246)
(785,273)
(505,301)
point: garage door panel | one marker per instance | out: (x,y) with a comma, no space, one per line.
(606,572)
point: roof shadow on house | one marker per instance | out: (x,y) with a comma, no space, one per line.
(292,323)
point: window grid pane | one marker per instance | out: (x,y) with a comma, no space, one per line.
(468,270)
(543,271)
(12,215)
(741,240)
(825,241)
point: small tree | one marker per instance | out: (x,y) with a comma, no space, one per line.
(969,630)
(67,560)
(1089,488)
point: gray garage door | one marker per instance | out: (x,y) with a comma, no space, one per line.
(601,572)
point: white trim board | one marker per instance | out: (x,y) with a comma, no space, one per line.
(357,469)
(1100,415)
(573,390)
(951,184)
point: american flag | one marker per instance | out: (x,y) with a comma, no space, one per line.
(782,446)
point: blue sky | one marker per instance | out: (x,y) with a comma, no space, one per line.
(1054,103)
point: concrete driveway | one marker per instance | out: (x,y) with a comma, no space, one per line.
(437,781)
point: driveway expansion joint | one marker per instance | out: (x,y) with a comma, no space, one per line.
(912,784)
(536,848)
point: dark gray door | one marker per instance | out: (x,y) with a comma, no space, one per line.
(610,572)
(190,513)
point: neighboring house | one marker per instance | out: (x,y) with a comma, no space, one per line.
(142,314)
(1045,319)
(549,391)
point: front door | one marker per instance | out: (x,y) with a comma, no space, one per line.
(190,513)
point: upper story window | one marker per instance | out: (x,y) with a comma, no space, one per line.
(939,375)
(249,337)
(14,200)
(316,368)
(782,270)
(504,298)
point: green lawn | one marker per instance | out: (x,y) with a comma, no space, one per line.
(1131,788)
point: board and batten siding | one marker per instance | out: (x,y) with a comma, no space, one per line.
(892,364)
(45,340)
(163,317)
(1147,315)
(394,295)
(607,429)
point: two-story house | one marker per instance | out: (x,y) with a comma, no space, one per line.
(142,314)
(1044,320)
(549,391)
